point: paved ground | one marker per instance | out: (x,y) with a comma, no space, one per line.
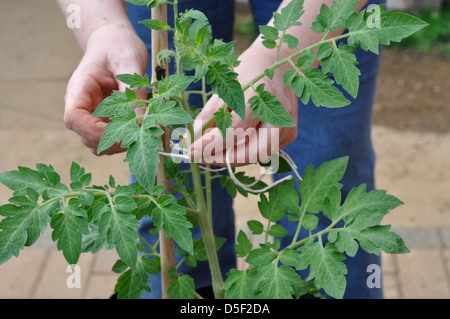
(37,57)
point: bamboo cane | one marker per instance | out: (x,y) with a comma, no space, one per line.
(167,246)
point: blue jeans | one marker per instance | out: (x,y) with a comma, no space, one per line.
(323,134)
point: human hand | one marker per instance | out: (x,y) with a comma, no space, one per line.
(254,141)
(111,49)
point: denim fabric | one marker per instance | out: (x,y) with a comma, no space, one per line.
(323,134)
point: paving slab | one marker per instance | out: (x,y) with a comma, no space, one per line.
(422,274)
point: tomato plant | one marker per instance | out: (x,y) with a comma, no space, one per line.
(87,217)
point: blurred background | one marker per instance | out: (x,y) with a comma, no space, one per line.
(411,136)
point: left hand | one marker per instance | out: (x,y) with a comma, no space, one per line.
(253,144)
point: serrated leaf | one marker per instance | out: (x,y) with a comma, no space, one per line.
(120,231)
(277,231)
(122,129)
(223,82)
(134,80)
(243,245)
(364,209)
(155,24)
(275,282)
(167,113)
(342,63)
(315,187)
(24,178)
(148,3)
(286,196)
(326,267)
(219,50)
(170,216)
(68,228)
(116,102)
(261,256)
(314,84)
(174,85)
(268,32)
(22,226)
(224,119)
(181,287)
(144,159)
(238,284)
(269,109)
(289,15)
(132,283)
(255,226)
(394,26)
(270,209)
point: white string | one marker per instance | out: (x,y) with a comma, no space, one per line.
(291,163)
(246,187)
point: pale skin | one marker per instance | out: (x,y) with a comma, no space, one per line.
(111,47)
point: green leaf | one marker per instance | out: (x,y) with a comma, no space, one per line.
(261,256)
(22,225)
(181,287)
(68,228)
(394,26)
(270,209)
(148,3)
(167,113)
(255,226)
(220,50)
(286,196)
(374,239)
(223,82)
(268,32)
(289,257)
(326,267)
(289,15)
(223,120)
(342,63)
(132,283)
(24,178)
(144,159)
(134,80)
(116,102)
(269,109)
(155,24)
(314,84)
(174,85)
(122,129)
(120,231)
(243,245)
(170,216)
(315,187)
(277,231)
(366,209)
(275,282)
(238,284)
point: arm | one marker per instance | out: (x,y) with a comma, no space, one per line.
(254,61)
(110,47)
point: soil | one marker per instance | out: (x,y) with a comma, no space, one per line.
(413,91)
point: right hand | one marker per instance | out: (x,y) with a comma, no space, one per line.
(111,49)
